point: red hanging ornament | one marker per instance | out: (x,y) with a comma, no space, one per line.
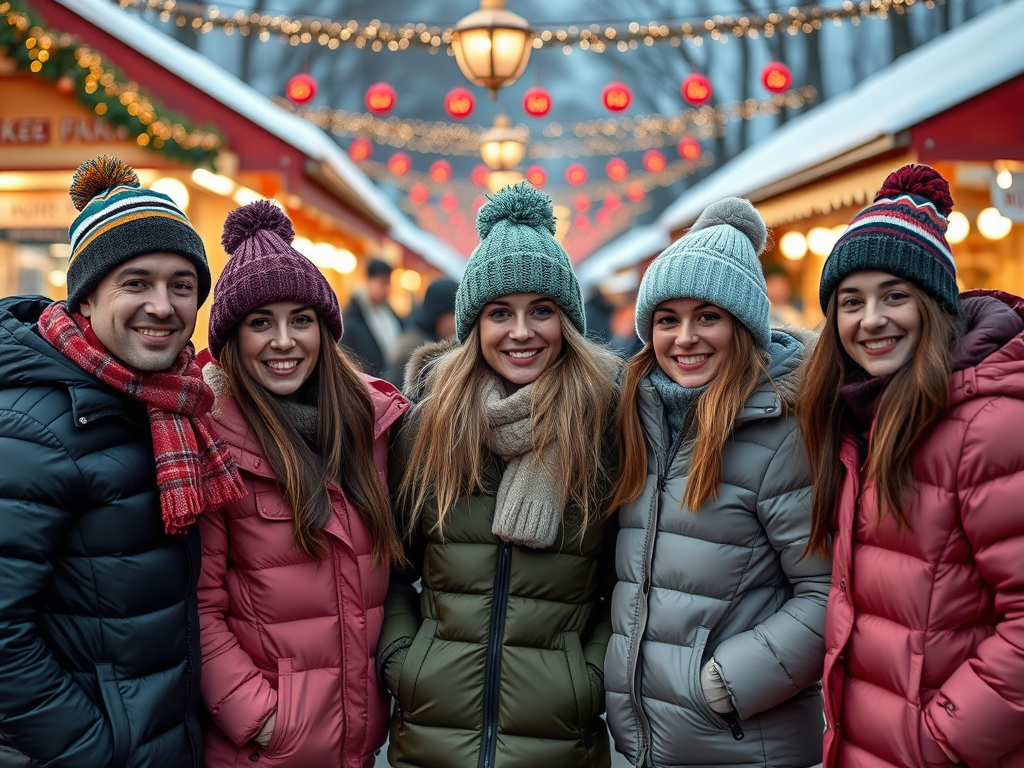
(612,202)
(65,85)
(576,174)
(616,96)
(617,169)
(696,89)
(449,202)
(360,149)
(441,171)
(603,217)
(380,98)
(581,203)
(479,174)
(536,102)
(635,191)
(776,77)
(581,222)
(399,164)
(689,148)
(459,103)
(419,194)
(654,161)
(536,176)
(301,88)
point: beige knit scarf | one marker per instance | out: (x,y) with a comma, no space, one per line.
(528,510)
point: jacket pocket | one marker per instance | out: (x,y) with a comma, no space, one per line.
(700,704)
(117,715)
(580,677)
(285,694)
(414,660)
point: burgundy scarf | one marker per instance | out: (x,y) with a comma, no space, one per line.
(193,470)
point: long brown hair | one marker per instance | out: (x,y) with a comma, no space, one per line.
(714,415)
(345,427)
(911,404)
(570,409)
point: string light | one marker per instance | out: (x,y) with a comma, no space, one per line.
(596,38)
(611,136)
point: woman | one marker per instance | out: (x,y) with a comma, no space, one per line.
(499,660)
(295,574)
(717,615)
(912,410)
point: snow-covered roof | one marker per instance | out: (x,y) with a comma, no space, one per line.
(964,62)
(204,75)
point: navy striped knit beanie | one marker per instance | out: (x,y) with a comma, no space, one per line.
(902,232)
(120,220)
(517,253)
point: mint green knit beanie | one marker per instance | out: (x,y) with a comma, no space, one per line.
(517,253)
(716,261)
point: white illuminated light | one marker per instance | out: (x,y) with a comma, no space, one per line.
(993,225)
(820,240)
(345,261)
(958,229)
(1004,179)
(174,189)
(58,278)
(322,254)
(214,182)
(303,246)
(793,245)
(411,280)
(244,196)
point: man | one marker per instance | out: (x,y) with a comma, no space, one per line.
(106,459)
(371,326)
(434,321)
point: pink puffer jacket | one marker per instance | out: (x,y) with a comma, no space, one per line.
(925,627)
(282,630)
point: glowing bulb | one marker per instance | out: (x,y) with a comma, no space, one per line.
(410,280)
(793,245)
(304,246)
(174,189)
(993,225)
(1004,179)
(58,278)
(958,229)
(820,240)
(345,261)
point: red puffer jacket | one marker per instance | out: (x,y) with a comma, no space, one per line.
(925,627)
(282,630)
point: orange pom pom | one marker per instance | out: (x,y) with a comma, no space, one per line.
(97,175)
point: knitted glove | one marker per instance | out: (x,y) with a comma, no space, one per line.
(715,691)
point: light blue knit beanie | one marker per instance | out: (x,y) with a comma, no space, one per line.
(517,253)
(716,261)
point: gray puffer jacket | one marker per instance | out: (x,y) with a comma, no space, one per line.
(730,581)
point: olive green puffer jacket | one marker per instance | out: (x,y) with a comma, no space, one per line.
(498,660)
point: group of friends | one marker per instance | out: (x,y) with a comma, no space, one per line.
(747,546)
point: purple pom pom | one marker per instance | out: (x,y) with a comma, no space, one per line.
(243,223)
(921,181)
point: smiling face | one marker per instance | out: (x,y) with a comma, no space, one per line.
(879,321)
(520,337)
(144,311)
(692,338)
(279,346)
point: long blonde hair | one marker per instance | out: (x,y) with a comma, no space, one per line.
(911,404)
(570,408)
(714,416)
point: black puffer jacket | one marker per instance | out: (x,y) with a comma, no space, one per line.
(99,638)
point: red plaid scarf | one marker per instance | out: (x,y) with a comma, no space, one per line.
(193,469)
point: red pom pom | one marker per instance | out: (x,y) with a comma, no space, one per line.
(922,181)
(98,175)
(243,223)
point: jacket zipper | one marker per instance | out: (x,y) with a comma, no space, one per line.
(734,725)
(492,672)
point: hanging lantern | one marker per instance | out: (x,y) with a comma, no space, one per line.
(581,203)
(65,85)
(301,88)
(576,174)
(380,98)
(536,102)
(635,191)
(616,169)
(654,161)
(479,174)
(776,77)
(502,147)
(696,89)
(616,96)
(459,103)
(419,194)
(536,176)
(399,163)
(492,45)
(360,149)
(689,148)
(449,202)
(441,171)
(612,202)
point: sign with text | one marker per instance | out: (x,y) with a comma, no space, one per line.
(36,210)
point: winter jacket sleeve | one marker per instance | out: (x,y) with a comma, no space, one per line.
(784,654)
(236,694)
(979,710)
(43,712)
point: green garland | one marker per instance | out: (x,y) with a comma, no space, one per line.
(54,55)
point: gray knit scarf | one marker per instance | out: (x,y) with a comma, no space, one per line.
(528,510)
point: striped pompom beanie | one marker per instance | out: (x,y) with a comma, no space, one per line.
(903,232)
(120,220)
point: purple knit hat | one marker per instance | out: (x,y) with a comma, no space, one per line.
(264,269)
